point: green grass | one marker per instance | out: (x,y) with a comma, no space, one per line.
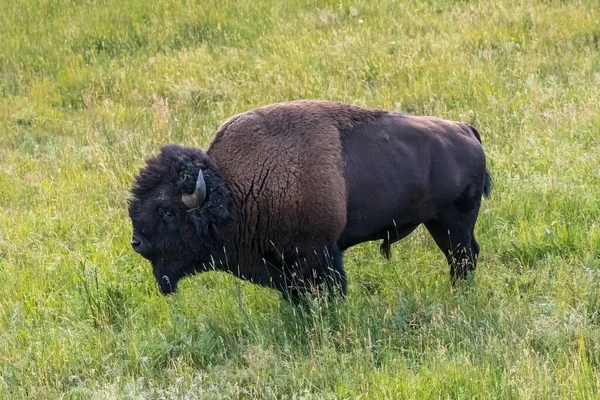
(90,89)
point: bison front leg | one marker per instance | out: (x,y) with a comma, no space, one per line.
(332,278)
(318,273)
(289,283)
(321,273)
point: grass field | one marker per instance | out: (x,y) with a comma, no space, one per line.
(90,89)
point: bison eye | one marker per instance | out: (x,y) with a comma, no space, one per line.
(169,219)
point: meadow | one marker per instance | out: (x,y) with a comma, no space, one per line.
(90,89)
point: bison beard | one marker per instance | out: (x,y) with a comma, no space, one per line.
(283,190)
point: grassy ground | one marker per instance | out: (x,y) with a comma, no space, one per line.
(89,89)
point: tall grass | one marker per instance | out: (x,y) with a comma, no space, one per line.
(89,89)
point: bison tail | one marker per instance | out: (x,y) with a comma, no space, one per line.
(488,183)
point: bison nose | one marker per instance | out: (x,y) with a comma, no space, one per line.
(136,243)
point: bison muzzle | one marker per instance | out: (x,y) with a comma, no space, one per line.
(284,189)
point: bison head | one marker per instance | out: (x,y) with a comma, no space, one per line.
(177,205)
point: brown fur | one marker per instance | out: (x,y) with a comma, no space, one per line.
(283,166)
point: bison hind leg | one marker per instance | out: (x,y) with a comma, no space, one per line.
(455,237)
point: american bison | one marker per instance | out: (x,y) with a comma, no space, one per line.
(284,189)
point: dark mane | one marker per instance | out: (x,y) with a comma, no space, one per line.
(170,165)
(179,166)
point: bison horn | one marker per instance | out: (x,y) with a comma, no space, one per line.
(196,199)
